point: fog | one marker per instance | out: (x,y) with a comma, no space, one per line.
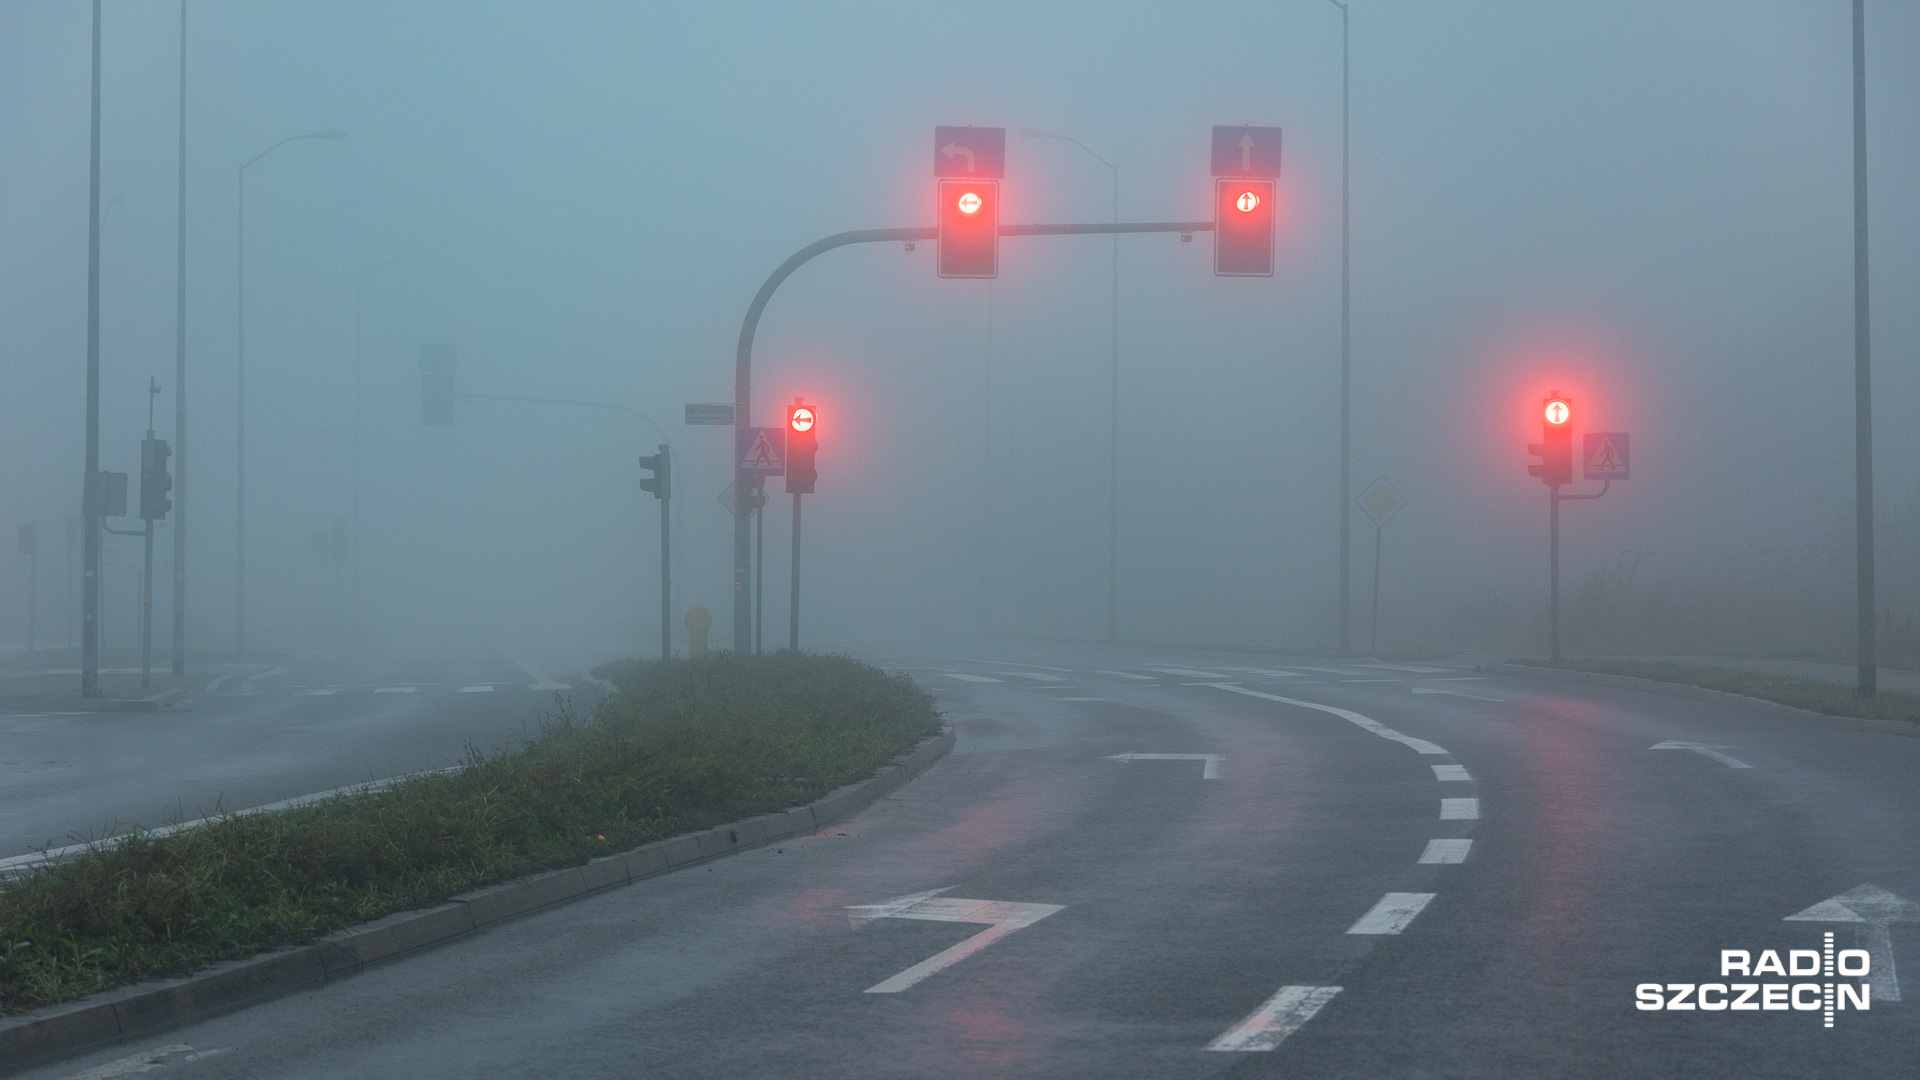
(1646,206)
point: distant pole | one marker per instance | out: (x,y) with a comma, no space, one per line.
(1553,571)
(666,566)
(793,606)
(1373,645)
(759,566)
(91,497)
(146,564)
(1346,364)
(33,590)
(180,380)
(1862,365)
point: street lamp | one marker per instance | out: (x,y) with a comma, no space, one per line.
(1346,366)
(353,556)
(1113,394)
(240,400)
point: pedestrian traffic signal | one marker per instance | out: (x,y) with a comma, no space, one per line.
(1243,217)
(661,466)
(969,216)
(1555,448)
(802,442)
(154,481)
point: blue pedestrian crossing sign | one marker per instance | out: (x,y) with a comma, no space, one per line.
(1605,455)
(762,451)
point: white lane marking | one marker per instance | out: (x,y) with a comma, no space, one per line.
(1000,916)
(1209,771)
(1272,1022)
(964,677)
(395,689)
(1370,680)
(1331,670)
(1036,676)
(1392,914)
(1191,673)
(481,689)
(136,1063)
(1454,693)
(1126,675)
(1458,678)
(1459,809)
(1876,907)
(318,693)
(1703,748)
(1450,772)
(1269,672)
(1080,699)
(1419,745)
(540,679)
(1411,667)
(1446,851)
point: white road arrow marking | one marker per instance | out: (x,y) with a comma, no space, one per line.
(1703,748)
(1272,1022)
(955,150)
(1420,746)
(1001,917)
(1246,152)
(1454,693)
(1874,908)
(1210,771)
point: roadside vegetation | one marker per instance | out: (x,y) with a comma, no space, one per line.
(1834,699)
(680,746)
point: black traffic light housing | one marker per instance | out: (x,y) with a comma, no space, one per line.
(1243,217)
(155,482)
(661,466)
(969,217)
(803,441)
(1555,448)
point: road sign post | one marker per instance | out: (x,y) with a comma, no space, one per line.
(1380,501)
(1604,459)
(802,443)
(661,484)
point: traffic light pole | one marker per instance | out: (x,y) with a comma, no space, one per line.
(666,579)
(743,621)
(1554,499)
(793,607)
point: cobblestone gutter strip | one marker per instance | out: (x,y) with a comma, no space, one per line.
(1701,693)
(146,1008)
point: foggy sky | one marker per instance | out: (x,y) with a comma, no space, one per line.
(1644,205)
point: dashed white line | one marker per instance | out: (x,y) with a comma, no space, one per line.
(1459,809)
(1446,851)
(1392,914)
(1421,746)
(1450,772)
(1281,1016)
(395,689)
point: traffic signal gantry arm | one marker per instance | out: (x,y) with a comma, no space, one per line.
(743,359)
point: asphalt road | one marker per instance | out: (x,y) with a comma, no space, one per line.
(1365,871)
(262,733)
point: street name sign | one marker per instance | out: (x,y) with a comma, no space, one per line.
(1381,501)
(973,153)
(1604,455)
(762,451)
(716,415)
(1246,151)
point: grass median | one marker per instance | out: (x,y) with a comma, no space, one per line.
(1814,695)
(681,746)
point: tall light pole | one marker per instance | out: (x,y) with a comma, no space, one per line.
(353,555)
(1862,368)
(1113,394)
(240,401)
(91,497)
(1346,363)
(180,381)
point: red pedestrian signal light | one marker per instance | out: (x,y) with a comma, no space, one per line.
(969,216)
(1243,221)
(1555,448)
(802,444)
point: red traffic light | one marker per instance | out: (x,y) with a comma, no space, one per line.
(1555,448)
(969,219)
(1557,411)
(800,418)
(1243,221)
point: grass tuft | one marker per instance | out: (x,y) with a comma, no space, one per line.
(681,746)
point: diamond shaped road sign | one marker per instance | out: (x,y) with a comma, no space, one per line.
(1604,455)
(1381,501)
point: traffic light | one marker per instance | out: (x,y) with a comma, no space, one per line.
(802,442)
(661,466)
(1555,448)
(969,228)
(154,481)
(1243,216)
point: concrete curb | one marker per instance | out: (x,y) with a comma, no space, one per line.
(1718,697)
(147,1008)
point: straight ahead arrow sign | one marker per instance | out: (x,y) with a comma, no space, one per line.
(1874,908)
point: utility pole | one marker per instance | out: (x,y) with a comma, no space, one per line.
(92,497)
(146,566)
(180,381)
(1346,362)
(1862,369)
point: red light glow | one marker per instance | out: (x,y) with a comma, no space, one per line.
(1247,202)
(1558,412)
(801,418)
(969,203)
